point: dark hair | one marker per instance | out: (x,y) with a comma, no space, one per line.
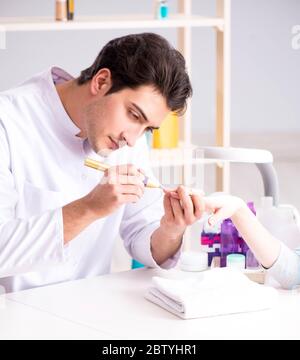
(144,59)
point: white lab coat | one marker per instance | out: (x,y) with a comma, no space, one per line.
(41,170)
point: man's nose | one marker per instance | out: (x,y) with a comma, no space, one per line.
(131,140)
(132,137)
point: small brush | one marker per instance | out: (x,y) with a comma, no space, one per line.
(103,167)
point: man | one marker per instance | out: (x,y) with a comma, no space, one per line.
(58,219)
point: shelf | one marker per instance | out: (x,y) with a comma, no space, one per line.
(107,22)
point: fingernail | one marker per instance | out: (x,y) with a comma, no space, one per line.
(211,221)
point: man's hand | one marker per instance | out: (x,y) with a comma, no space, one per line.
(120,185)
(181,210)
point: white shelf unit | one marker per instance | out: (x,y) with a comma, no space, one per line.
(184,22)
(108,22)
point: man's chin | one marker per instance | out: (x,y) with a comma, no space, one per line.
(107,151)
(104,152)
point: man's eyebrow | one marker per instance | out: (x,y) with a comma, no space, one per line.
(140,110)
(143,114)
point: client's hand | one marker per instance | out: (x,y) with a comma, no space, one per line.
(222,207)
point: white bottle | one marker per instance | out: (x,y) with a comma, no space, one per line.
(236,261)
(193,261)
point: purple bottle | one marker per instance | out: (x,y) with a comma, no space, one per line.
(251,261)
(229,240)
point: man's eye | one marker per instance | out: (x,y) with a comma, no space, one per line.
(134,115)
(150,129)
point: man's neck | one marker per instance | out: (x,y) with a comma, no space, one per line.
(72,98)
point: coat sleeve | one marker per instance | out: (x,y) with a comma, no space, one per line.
(286,269)
(25,245)
(140,220)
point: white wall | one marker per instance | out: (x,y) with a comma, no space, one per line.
(265,68)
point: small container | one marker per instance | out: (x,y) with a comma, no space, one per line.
(237,261)
(70,10)
(194,261)
(61,10)
(161,9)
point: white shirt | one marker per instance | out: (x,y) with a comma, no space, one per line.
(41,170)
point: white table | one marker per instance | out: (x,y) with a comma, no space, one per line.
(113,306)
(19,321)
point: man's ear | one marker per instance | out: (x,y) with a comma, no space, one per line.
(101,82)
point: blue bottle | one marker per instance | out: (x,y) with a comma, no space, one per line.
(136,265)
(162,9)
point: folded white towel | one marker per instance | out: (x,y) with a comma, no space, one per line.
(215,292)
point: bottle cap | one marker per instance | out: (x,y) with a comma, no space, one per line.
(194,261)
(237,261)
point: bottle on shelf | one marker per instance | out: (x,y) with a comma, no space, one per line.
(70,10)
(61,10)
(161,9)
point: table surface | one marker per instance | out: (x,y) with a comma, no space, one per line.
(113,307)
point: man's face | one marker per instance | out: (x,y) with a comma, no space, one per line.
(118,119)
